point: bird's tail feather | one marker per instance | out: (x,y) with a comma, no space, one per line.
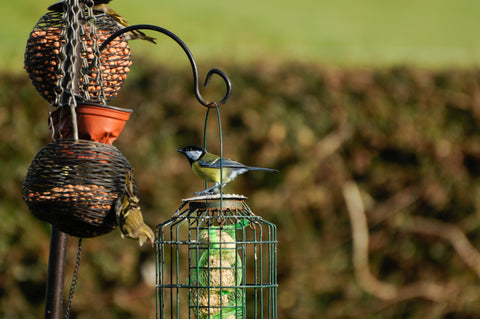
(253,168)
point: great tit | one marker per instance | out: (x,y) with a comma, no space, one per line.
(129,215)
(102,6)
(207,166)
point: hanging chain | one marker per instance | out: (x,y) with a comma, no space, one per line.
(91,53)
(51,125)
(62,84)
(73,285)
(88,17)
(60,72)
(67,72)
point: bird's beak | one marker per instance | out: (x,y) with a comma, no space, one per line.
(179,150)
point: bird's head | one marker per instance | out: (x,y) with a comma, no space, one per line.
(192,152)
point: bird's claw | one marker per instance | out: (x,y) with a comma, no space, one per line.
(209,191)
(203,193)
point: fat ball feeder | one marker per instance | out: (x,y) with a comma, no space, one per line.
(98,83)
(217,259)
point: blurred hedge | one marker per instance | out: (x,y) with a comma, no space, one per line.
(408,138)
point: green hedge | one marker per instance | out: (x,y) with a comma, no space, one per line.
(409,138)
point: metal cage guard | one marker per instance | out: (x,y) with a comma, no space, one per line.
(216,259)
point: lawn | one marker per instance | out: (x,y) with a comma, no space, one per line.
(427,33)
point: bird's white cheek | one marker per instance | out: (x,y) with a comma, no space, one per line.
(195,155)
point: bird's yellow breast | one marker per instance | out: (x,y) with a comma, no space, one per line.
(208,174)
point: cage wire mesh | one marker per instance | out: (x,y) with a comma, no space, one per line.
(216,259)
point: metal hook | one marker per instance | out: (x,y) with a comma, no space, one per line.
(187,51)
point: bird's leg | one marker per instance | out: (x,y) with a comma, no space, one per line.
(211,190)
(129,187)
(207,191)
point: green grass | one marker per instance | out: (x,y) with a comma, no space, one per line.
(427,33)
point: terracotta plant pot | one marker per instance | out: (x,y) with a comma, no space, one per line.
(95,122)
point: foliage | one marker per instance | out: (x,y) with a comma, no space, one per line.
(408,138)
(426,33)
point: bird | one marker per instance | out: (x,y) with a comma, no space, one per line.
(129,215)
(207,166)
(102,6)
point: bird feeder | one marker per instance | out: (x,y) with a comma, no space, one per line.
(74,185)
(75,182)
(98,83)
(216,259)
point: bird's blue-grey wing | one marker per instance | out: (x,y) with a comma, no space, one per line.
(225,163)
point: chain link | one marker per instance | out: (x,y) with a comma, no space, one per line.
(84,48)
(92,54)
(73,285)
(67,72)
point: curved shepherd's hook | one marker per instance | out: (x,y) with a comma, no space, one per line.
(190,58)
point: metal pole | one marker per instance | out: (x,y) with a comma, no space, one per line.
(58,240)
(56,274)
